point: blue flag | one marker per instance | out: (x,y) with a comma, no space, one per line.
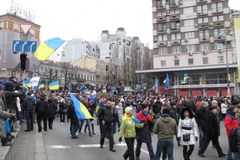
(166,82)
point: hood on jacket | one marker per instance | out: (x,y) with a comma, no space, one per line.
(9,86)
(166,118)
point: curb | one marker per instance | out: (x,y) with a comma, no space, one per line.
(4,150)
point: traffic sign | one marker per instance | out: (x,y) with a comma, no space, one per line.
(24,46)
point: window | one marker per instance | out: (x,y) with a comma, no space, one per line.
(217,7)
(189,22)
(218,32)
(217,18)
(204,34)
(162,50)
(203,20)
(190,48)
(174,2)
(202,9)
(175,25)
(189,35)
(205,60)
(220,59)
(161,13)
(204,47)
(176,62)
(175,36)
(163,63)
(16,27)
(174,11)
(1,25)
(176,49)
(162,37)
(190,61)
(162,27)
(218,45)
(161,3)
(188,10)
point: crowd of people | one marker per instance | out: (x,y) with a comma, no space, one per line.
(134,117)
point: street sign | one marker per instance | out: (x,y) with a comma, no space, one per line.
(24,46)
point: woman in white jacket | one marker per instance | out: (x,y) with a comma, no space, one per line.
(187,132)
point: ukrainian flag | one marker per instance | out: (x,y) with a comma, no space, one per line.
(104,90)
(87,91)
(80,110)
(47,48)
(54,85)
(27,83)
(99,106)
(41,85)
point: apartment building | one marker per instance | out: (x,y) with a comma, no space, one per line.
(194,38)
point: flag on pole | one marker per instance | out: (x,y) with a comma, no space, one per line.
(54,85)
(47,48)
(166,86)
(80,110)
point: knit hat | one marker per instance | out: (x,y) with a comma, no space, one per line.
(165,111)
(128,109)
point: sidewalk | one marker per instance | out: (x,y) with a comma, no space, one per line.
(4,150)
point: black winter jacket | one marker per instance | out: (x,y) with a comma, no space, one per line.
(29,103)
(52,109)
(10,97)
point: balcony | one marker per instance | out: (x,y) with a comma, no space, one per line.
(175,29)
(160,5)
(173,4)
(202,25)
(176,42)
(218,12)
(202,14)
(162,31)
(201,1)
(219,38)
(162,43)
(174,17)
(161,18)
(204,39)
(218,24)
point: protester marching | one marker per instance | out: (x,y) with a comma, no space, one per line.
(194,121)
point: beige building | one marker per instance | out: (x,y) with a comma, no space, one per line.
(195,38)
(104,71)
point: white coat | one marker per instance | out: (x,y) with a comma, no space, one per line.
(188,123)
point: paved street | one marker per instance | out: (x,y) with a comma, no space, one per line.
(57,144)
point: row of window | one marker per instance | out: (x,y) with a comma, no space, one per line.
(190,35)
(191,48)
(191,61)
(203,9)
(175,25)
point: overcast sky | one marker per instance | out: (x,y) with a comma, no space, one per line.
(86,19)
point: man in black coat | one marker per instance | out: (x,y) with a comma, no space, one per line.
(28,106)
(212,133)
(201,119)
(41,110)
(108,118)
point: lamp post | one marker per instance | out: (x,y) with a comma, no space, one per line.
(226,32)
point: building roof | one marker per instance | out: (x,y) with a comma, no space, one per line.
(186,68)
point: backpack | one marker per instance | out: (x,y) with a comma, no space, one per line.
(233,140)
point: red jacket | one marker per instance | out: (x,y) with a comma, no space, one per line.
(230,123)
(143,118)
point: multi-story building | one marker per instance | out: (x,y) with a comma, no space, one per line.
(11,29)
(78,48)
(193,37)
(65,72)
(103,70)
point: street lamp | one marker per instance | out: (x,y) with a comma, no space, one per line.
(224,33)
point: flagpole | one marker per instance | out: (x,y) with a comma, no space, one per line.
(33,70)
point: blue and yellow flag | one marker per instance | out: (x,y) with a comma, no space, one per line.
(87,91)
(166,86)
(104,90)
(41,85)
(54,85)
(80,110)
(47,48)
(185,79)
(27,83)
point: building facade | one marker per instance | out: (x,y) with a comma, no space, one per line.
(194,38)
(11,29)
(78,48)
